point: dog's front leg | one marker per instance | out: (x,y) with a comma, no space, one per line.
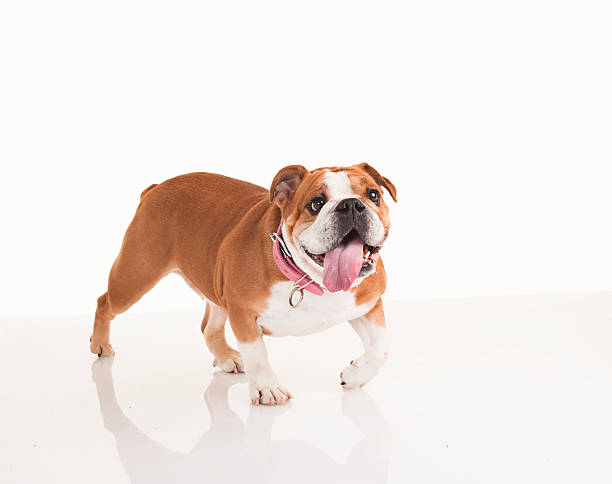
(263,385)
(373,333)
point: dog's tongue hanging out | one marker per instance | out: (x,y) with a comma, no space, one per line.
(342,264)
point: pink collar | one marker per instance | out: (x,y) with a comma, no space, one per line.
(290,269)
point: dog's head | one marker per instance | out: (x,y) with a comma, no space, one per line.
(336,220)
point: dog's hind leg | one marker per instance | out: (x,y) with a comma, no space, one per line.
(99,342)
(142,262)
(213,329)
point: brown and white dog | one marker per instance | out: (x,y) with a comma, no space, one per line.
(215,231)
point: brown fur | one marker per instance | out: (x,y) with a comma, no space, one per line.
(377,314)
(214,230)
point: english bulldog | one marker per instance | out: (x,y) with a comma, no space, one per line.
(296,259)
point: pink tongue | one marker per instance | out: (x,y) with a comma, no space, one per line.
(342,264)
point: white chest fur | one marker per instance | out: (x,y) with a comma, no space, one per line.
(315,313)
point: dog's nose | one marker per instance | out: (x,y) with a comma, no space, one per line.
(349,205)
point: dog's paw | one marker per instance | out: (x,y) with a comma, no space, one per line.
(358,373)
(230,363)
(100,349)
(268,392)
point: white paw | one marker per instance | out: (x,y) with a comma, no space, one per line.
(267,391)
(230,365)
(360,372)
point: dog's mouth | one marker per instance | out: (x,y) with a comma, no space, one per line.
(369,256)
(342,264)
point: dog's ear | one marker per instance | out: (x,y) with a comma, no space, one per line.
(285,183)
(382,181)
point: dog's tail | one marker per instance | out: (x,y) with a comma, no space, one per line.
(147,190)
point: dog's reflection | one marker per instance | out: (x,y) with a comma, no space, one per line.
(230,452)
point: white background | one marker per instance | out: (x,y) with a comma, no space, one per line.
(493,119)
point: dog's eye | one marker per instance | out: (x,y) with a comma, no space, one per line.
(374,195)
(315,204)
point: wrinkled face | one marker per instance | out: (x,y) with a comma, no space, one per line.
(336,220)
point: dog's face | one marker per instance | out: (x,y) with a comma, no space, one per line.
(336,220)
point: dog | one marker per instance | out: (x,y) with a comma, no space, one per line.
(293,260)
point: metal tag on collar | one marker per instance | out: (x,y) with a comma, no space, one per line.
(300,290)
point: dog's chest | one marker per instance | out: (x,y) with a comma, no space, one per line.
(314,313)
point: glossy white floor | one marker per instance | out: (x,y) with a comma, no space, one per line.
(495,390)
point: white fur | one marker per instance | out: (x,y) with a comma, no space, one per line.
(263,385)
(315,313)
(216,318)
(338,185)
(376,346)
